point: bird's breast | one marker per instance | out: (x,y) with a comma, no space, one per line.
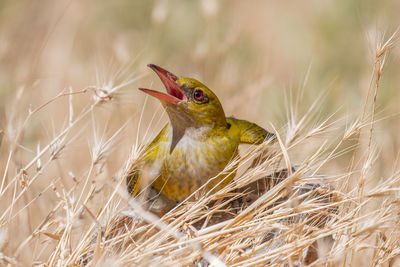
(196,161)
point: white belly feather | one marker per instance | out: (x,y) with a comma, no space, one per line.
(195,159)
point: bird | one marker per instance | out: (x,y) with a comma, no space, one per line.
(192,151)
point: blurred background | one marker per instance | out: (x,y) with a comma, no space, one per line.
(240,50)
(254,56)
(259,57)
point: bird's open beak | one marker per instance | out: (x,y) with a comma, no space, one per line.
(170,82)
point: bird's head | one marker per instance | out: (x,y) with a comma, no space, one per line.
(188,102)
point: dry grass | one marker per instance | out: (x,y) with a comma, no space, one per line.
(325,194)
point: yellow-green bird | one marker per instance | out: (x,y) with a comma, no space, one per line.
(194,148)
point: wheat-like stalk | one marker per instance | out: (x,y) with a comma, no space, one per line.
(314,197)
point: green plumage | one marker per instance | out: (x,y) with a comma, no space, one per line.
(193,150)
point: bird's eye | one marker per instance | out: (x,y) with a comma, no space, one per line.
(198,95)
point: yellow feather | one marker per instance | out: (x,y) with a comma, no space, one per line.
(205,140)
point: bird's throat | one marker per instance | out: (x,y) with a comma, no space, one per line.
(180,121)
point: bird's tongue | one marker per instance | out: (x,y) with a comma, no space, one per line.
(170,82)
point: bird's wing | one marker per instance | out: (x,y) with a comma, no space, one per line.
(147,158)
(250,133)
